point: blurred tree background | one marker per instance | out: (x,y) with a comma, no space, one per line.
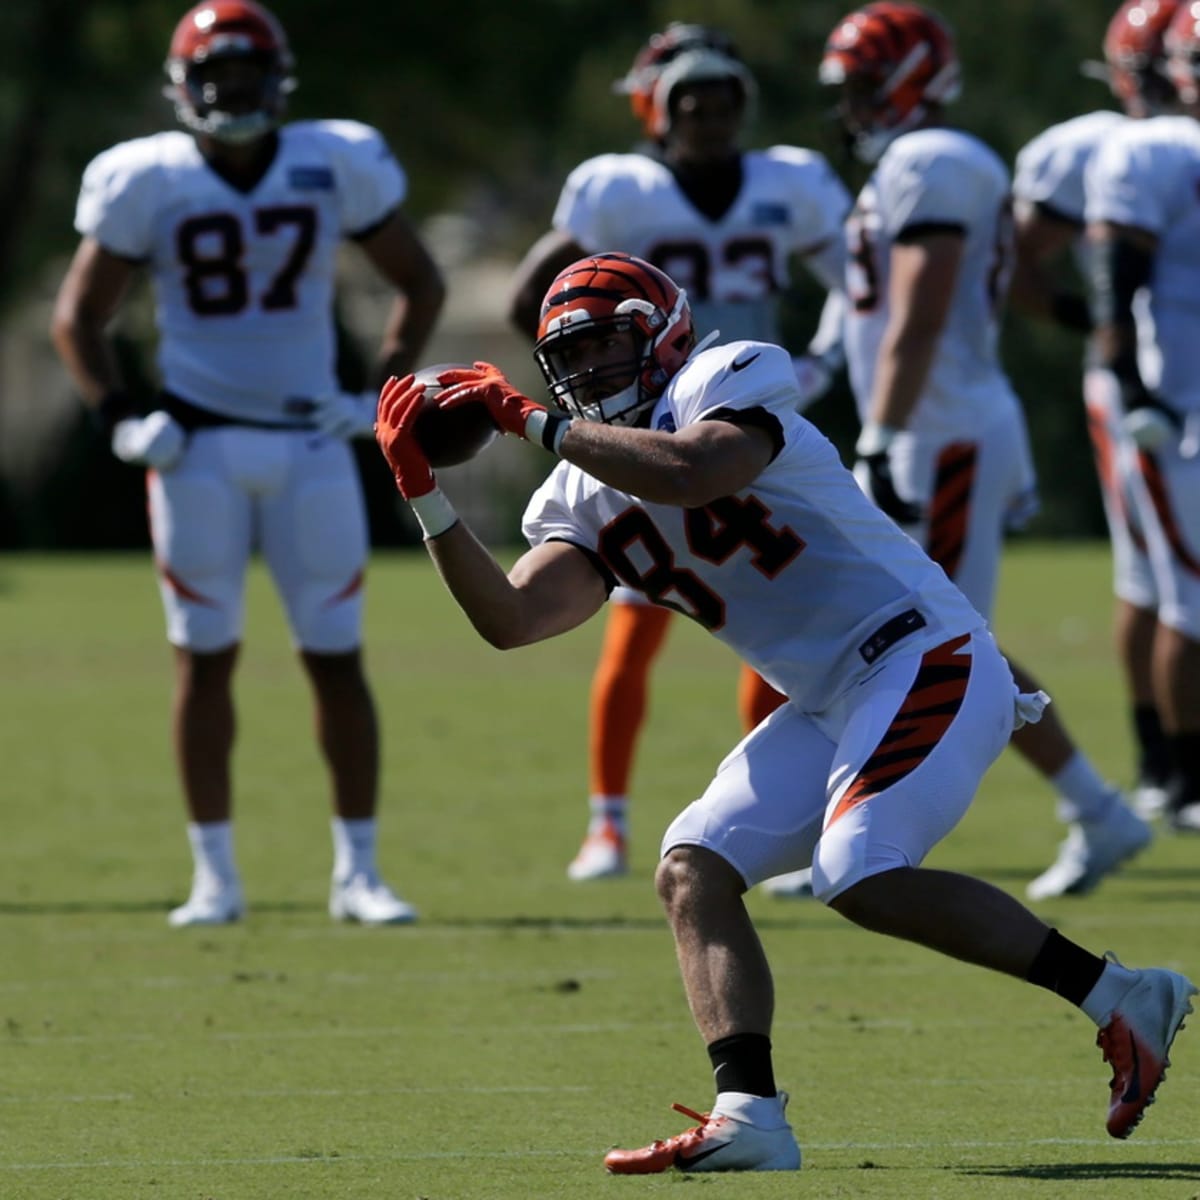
(487,106)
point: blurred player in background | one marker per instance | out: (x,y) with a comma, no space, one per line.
(688,474)
(727,224)
(1049,191)
(238,219)
(943,447)
(1143,214)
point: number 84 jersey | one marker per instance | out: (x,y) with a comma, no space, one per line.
(243,280)
(799,573)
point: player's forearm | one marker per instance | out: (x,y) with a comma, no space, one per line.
(657,467)
(900,376)
(481,588)
(408,328)
(88,356)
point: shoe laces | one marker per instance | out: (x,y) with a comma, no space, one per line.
(689,1137)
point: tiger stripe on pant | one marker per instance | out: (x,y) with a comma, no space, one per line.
(932,703)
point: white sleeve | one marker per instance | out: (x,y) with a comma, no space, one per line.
(371,183)
(738,375)
(822,200)
(1051,175)
(116,202)
(923,189)
(1125,184)
(548,515)
(582,205)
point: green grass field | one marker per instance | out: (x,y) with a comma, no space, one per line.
(526,1024)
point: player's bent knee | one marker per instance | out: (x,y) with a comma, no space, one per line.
(687,875)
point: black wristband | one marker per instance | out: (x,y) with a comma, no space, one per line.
(553,430)
(114,406)
(1070,310)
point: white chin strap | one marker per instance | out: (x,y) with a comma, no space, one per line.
(623,408)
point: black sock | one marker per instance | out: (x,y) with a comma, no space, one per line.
(1064,968)
(1185,756)
(1154,754)
(742,1063)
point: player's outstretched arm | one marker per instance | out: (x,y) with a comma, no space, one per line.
(550,590)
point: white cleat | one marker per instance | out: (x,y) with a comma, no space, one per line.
(1136,1041)
(602,856)
(369,901)
(1092,850)
(212,902)
(742,1133)
(793,883)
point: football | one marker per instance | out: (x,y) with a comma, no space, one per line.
(450,436)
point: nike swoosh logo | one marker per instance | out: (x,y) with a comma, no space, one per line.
(684,1163)
(742,363)
(1133,1092)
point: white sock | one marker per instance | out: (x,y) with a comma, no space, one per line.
(353,847)
(1082,794)
(765,1112)
(1113,983)
(606,811)
(212,850)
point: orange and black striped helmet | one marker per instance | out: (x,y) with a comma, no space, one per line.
(898,60)
(607,293)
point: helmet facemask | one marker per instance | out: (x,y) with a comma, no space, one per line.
(608,392)
(232,107)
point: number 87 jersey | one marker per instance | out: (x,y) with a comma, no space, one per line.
(799,573)
(243,280)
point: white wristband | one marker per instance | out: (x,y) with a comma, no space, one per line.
(874,439)
(435,514)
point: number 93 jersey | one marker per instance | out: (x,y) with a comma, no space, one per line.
(243,280)
(732,267)
(799,573)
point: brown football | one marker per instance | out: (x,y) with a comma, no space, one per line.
(450,436)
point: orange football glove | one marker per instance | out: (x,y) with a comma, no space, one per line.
(400,402)
(487,385)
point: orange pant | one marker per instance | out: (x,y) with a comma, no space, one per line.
(633,637)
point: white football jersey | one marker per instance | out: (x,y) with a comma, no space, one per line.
(797,573)
(1147,175)
(934,179)
(243,281)
(732,268)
